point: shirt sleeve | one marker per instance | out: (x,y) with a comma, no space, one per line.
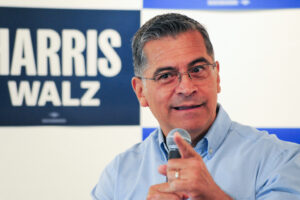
(104,190)
(282,179)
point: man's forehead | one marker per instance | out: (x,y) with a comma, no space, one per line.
(181,50)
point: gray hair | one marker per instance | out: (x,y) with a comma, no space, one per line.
(160,26)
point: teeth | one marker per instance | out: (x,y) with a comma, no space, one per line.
(186,107)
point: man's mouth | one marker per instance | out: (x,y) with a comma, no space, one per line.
(187,107)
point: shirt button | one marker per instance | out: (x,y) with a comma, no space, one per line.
(210,151)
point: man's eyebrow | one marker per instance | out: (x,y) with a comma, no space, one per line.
(169,68)
(201,59)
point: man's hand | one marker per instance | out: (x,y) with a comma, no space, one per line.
(162,192)
(193,180)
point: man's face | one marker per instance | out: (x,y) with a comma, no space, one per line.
(189,104)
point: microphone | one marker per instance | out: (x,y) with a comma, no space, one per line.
(172,146)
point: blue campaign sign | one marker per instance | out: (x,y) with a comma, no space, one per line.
(67,67)
(222,4)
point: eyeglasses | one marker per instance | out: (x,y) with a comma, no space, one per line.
(171,77)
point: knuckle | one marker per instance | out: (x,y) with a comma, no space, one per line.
(171,162)
(195,163)
(151,197)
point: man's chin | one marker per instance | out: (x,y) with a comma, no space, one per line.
(191,128)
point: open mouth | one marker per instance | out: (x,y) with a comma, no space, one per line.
(187,107)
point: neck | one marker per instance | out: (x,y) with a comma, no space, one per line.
(199,134)
(197,137)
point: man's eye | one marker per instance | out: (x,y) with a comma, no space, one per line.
(164,76)
(197,69)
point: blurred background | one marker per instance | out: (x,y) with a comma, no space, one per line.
(66,102)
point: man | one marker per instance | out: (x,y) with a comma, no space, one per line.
(177,77)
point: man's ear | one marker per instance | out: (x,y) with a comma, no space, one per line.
(218,77)
(139,89)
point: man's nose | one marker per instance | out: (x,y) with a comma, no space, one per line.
(185,85)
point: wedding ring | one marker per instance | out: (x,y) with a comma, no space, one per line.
(177,174)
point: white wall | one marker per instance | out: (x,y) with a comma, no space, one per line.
(57,162)
(258,52)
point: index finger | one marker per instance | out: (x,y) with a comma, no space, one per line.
(185,149)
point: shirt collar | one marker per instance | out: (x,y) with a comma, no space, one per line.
(217,132)
(162,144)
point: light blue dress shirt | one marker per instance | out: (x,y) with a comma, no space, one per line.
(244,162)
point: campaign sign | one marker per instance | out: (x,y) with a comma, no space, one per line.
(222,4)
(67,67)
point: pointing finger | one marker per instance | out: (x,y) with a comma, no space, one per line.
(185,149)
